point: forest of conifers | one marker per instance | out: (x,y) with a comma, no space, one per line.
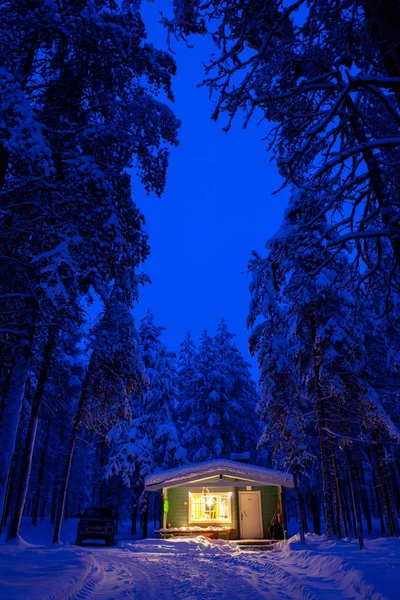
(87,410)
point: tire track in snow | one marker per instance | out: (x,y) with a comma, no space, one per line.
(143,574)
(90,582)
(118,578)
(126,575)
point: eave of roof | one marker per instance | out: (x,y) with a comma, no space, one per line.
(191,473)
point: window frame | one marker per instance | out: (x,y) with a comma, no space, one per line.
(208,520)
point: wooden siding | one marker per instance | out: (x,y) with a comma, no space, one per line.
(178,514)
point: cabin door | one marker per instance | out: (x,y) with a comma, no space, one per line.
(250,515)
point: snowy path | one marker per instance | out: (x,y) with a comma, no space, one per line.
(201,569)
(149,575)
(175,571)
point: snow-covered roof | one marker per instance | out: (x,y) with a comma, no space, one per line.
(190,474)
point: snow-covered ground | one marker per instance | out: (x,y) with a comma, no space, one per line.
(196,569)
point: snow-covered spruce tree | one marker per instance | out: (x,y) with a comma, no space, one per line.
(112,376)
(284,403)
(151,438)
(315,319)
(327,76)
(204,431)
(187,373)
(244,398)
(220,412)
(69,223)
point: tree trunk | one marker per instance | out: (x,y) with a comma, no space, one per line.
(8,494)
(42,465)
(391,501)
(355,502)
(134,517)
(64,483)
(96,477)
(340,516)
(67,469)
(315,511)
(395,485)
(347,509)
(357,489)
(4,159)
(297,500)
(382,490)
(54,497)
(320,411)
(145,518)
(303,513)
(26,464)
(11,415)
(365,502)
(43,505)
(378,501)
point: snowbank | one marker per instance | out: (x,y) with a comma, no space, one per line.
(372,573)
(38,572)
(182,545)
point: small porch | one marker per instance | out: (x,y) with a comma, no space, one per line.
(222,499)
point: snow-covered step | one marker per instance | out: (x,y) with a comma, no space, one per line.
(256,545)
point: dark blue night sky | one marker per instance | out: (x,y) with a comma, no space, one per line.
(216,208)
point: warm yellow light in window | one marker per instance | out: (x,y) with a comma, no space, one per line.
(210,507)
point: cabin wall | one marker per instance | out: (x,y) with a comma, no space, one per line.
(178,514)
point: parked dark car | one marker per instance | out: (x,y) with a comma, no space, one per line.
(97,523)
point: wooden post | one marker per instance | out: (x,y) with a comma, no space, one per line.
(155,510)
(145,519)
(134,516)
(164,496)
(161,510)
(237,512)
(283,508)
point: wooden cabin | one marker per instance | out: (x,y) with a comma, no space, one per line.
(222,498)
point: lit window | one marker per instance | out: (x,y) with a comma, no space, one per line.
(210,507)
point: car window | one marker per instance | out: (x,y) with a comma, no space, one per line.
(98,513)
